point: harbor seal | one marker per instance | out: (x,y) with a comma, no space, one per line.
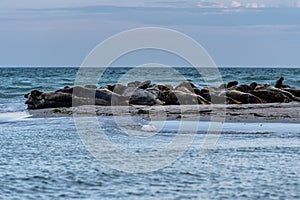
(177,97)
(279,83)
(232,84)
(243,97)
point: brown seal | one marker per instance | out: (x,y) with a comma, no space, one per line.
(279,83)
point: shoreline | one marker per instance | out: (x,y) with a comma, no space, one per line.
(245,113)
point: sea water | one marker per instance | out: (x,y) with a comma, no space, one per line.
(45,158)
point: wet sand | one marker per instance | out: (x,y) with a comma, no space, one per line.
(247,113)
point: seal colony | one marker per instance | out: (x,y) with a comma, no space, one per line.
(146,93)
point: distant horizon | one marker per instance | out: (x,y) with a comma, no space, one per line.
(127,66)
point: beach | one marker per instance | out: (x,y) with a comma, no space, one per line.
(247,113)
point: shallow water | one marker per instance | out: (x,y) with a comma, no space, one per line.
(45,159)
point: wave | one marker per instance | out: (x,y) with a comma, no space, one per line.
(13,116)
(11,95)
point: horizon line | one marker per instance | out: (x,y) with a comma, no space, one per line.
(129,66)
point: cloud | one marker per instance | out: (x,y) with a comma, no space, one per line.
(235,4)
(255,5)
(223,4)
(206,4)
(251,5)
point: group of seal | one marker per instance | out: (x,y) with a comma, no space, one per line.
(146,93)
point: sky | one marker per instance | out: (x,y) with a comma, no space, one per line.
(234,33)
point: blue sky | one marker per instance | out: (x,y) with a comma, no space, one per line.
(235,33)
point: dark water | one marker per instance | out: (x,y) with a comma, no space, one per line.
(45,158)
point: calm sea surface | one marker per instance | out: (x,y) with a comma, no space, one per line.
(45,158)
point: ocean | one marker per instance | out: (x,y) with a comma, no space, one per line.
(46,158)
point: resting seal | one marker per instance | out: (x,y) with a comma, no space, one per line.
(243,97)
(279,83)
(232,83)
